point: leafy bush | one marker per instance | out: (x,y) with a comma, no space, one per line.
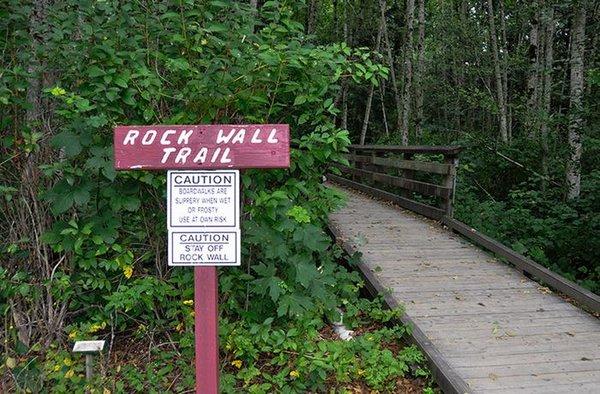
(529,214)
(94,265)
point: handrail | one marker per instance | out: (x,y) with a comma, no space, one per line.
(395,166)
(526,265)
(414,149)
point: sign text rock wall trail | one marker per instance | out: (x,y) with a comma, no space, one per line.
(202,146)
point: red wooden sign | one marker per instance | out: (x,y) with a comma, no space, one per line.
(202,146)
(196,147)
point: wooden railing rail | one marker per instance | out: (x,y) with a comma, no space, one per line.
(396,166)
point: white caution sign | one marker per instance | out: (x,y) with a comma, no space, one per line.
(204,248)
(203,199)
(203,218)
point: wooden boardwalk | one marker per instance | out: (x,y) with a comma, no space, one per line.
(493,328)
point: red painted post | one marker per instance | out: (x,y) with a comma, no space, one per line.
(206,330)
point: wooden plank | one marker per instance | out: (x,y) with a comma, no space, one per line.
(528,369)
(399,269)
(508,383)
(423,209)
(478,299)
(475,296)
(571,324)
(575,388)
(515,346)
(505,328)
(443,279)
(562,338)
(417,149)
(456,286)
(450,182)
(390,162)
(497,332)
(418,259)
(468,311)
(500,332)
(428,189)
(491,319)
(552,279)
(511,359)
(415,165)
(501,318)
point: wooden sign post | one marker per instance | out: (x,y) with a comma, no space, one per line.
(203,206)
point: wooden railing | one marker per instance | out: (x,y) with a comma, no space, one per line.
(398,167)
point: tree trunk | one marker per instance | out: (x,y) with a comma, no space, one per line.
(459,69)
(365,126)
(592,62)
(43,317)
(344,123)
(576,100)
(534,60)
(311,17)
(504,48)
(547,87)
(336,27)
(382,4)
(408,65)
(497,72)
(383,114)
(420,70)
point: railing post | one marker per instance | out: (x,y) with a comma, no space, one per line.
(407,174)
(353,163)
(450,181)
(373,167)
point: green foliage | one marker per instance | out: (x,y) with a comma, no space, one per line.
(526,213)
(297,359)
(133,63)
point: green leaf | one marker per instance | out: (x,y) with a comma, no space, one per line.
(67,141)
(95,71)
(300,100)
(81,196)
(300,214)
(121,80)
(305,273)
(61,205)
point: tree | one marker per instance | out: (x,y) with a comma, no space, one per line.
(576,100)
(501,102)
(408,70)
(549,24)
(344,122)
(312,16)
(392,65)
(420,70)
(534,57)
(365,125)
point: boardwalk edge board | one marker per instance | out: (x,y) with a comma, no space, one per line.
(445,376)
(522,263)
